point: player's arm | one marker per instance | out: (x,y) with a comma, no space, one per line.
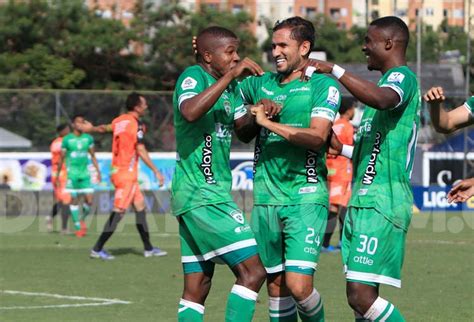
(381,98)
(246,127)
(312,138)
(195,107)
(60,164)
(88,127)
(442,120)
(95,163)
(143,153)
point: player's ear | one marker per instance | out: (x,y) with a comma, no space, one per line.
(305,48)
(207,56)
(388,44)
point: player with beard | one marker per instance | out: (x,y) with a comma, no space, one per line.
(290,210)
(380,209)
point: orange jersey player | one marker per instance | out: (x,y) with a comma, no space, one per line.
(339,174)
(62,199)
(127,149)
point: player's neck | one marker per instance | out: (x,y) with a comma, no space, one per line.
(392,63)
(76,133)
(134,114)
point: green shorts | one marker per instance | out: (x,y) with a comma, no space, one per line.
(372,248)
(214,234)
(77,186)
(289,238)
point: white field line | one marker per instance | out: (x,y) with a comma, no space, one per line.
(98,301)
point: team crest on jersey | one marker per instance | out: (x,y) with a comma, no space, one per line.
(396,77)
(227,107)
(188,83)
(333,96)
(238,216)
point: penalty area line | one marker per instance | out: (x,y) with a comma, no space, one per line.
(98,301)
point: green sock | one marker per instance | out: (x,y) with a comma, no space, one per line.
(282,309)
(85,211)
(240,304)
(311,309)
(382,310)
(75,216)
(190,312)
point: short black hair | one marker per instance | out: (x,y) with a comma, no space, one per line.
(76,116)
(346,104)
(396,26)
(214,32)
(61,127)
(301,29)
(133,99)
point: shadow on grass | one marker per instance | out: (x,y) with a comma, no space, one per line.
(126,251)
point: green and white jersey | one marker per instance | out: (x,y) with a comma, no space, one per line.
(284,173)
(202,175)
(469,104)
(77,154)
(384,151)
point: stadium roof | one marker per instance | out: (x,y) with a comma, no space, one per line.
(11,140)
(448,76)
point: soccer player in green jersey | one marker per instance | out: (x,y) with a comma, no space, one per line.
(76,148)
(447,122)
(291,199)
(207,108)
(380,208)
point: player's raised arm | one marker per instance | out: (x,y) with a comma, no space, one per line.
(88,127)
(380,98)
(442,120)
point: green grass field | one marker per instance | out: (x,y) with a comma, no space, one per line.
(438,277)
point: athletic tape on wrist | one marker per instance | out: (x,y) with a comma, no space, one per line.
(337,71)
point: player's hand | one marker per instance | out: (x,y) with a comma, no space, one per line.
(314,65)
(434,95)
(259,112)
(270,107)
(85,126)
(246,67)
(334,146)
(462,191)
(99,178)
(160,178)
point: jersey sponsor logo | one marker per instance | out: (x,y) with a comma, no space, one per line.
(364,260)
(300,89)
(311,162)
(242,176)
(370,172)
(238,216)
(121,126)
(266,91)
(304,190)
(188,83)
(333,96)
(242,229)
(206,163)
(279,99)
(395,77)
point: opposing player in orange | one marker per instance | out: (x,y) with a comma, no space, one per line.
(62,199)
(339,175)
(127,148)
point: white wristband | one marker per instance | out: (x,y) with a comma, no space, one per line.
(347,151)
(337,71)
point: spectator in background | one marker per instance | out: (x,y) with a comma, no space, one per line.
(447,122)
(339,175)
(62,199)
(4,184)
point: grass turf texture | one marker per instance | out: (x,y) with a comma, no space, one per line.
(437,276)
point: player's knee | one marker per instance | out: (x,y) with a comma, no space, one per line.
(359,301)
(252,277)
(298,290)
